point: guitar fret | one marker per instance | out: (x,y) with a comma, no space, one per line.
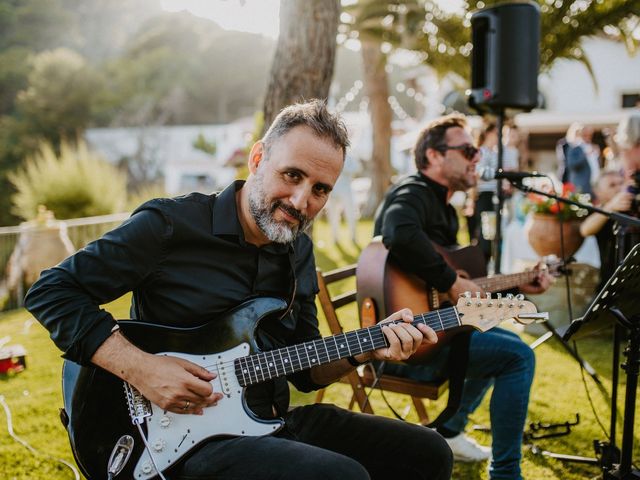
(324,342)
(293,358)
(361,341)
(253,366)
(373,343)
(355,334)
(260,368)
(239,371)
(273,366)
(335,341)
(383,337)
(300,358)
(315,360)
(346,341)
(440,318)
(285,362)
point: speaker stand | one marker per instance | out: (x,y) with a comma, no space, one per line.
(497,239)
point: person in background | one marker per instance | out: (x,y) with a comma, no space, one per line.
(609,195)
(628,141)
(487,188)
(417,213)
(583,161)
(562,150)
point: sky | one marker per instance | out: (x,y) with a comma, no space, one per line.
(255,16)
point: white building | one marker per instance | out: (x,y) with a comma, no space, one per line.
(170,153)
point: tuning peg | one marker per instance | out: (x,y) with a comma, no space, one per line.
(489,301)
(467,294)
(498,296)
(519,297)
(509,296)
(478,299)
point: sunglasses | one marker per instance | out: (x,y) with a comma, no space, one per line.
(467,151)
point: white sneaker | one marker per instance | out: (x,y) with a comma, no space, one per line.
(466,449)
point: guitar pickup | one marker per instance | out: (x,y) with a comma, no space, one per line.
(537,317)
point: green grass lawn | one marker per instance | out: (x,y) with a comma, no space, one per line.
(558,393)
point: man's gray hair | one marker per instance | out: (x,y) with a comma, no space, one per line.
(313,114)
(628,134)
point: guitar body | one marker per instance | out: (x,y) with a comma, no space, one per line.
(390,289)
(98,409)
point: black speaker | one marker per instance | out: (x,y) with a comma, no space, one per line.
(505,57)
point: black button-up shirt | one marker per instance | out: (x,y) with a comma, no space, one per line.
(186,261)
(414,213)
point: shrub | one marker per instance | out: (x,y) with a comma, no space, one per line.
(76,183)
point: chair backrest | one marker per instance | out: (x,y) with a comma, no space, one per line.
(329,303)
(365,377)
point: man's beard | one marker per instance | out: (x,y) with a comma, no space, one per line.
(262,212)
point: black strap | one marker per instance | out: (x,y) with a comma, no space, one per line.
(457,362)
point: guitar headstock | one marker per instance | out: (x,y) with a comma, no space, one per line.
(485,313)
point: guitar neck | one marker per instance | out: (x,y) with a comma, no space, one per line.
(264,366)
(503,282)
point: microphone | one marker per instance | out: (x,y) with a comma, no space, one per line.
(511,176)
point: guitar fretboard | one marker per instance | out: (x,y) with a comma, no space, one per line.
(264,366)
(504,282)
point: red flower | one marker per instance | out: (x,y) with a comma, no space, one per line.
(567,188)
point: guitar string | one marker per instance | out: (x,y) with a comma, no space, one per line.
(352,339)
(448,318)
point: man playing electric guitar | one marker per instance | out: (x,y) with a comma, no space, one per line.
(417,212)
(189,259)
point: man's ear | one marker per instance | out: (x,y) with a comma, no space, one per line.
(434,157)
(255,156)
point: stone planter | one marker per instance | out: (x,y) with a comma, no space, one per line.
(543,232)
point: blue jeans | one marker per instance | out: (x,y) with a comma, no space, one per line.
(499,358)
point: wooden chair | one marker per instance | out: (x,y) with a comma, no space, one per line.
(365,376)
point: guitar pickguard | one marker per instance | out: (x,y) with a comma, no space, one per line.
(171,436)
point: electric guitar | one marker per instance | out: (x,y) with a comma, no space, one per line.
(384,288)
(100,408)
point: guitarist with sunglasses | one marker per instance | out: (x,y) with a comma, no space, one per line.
(189,261)
(417,212)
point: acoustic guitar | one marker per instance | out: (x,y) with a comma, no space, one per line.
(110,423)
(383,288)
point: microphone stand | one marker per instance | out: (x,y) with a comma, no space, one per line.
(621,218)
(610,454)
(497,239)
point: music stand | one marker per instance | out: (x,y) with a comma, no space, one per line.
(619,298)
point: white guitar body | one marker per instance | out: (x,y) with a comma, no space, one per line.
(171,435)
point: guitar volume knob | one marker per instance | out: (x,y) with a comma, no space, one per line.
(159,445)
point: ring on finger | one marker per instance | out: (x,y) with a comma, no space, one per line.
(186,405)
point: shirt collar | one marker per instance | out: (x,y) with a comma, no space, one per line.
(440,190)
(225,212)
(225,218)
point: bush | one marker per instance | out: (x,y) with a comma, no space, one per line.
(77,183)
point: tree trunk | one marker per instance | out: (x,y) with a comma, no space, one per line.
(302,67)
(377,89)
